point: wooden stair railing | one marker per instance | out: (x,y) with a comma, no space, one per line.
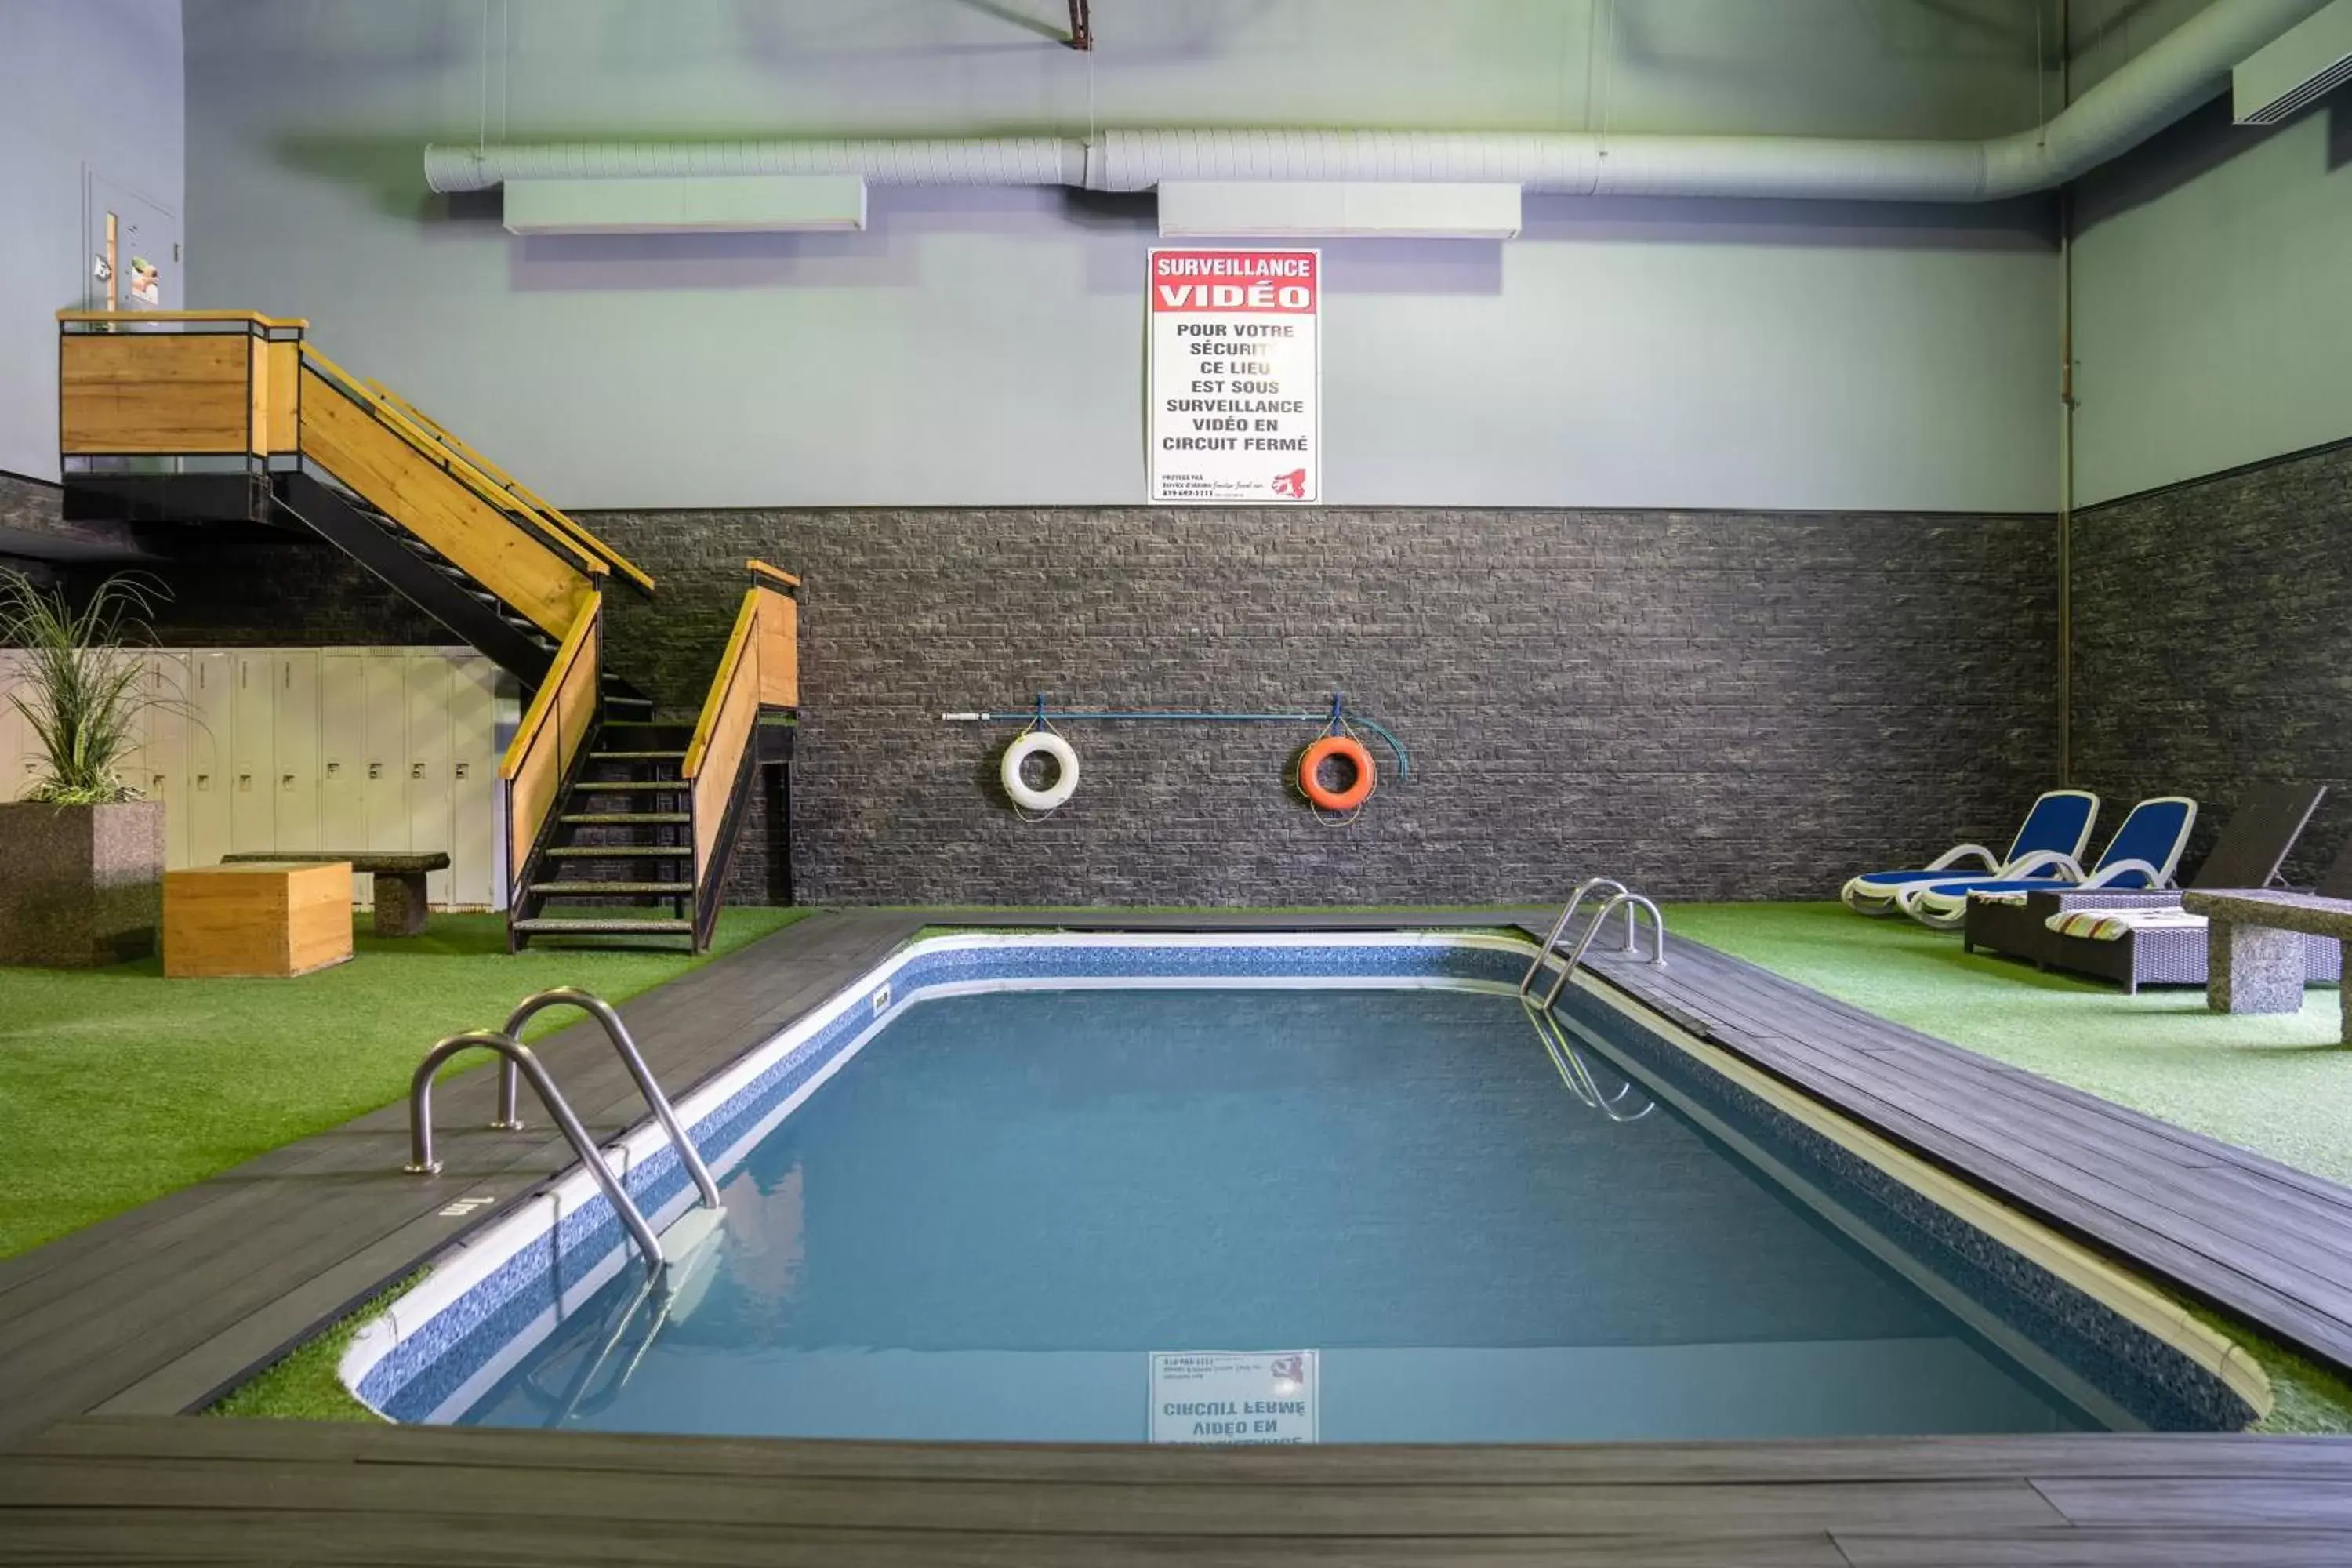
(521,496)
(446,506)
(760,673)
(549,745)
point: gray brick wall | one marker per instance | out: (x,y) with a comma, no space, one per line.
(250,588)
(1713,705)
(2213,643)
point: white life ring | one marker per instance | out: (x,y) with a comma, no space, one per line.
(1065,781)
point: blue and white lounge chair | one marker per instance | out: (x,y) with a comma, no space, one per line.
(2144,853)
(2059,823)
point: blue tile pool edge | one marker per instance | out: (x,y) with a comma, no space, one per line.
(488,1301)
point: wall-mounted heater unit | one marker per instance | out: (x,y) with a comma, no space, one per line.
(2309,61)
(1303,209)
(723,203)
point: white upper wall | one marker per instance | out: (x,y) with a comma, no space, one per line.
(2210,318)
(986,347)
(93,84)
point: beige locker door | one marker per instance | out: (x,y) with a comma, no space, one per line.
(295,781)
(14,733)
(385,777)
(253,751)
(474,782)
(131,766)
(17,755)
(212,701)
(166,755)
(431,817)
(342,756)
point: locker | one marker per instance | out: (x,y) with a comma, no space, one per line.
(212,701)
(342,791)
(385,788)
(17,754)
(295,779)
(164,757)
(474,835)
(253,750)
(131,766)
(431,817)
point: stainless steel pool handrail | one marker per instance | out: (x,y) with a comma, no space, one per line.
(421,1161)
(1567,913)
(1574,1072)
(1632,901)
(617,1032)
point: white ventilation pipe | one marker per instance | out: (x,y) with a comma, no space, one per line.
(2180,71)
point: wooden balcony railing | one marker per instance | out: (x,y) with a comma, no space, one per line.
(177,383)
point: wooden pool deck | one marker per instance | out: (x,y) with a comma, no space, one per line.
(188,1491)
(106,1335)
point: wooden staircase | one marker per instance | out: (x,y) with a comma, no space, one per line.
(609,811)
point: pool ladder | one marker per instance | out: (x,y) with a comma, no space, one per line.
(1618,897)
(520,1062)
(1577,1074)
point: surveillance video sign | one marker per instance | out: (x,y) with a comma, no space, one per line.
(1236,411)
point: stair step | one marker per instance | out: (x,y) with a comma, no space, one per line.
(566,926)
(621,786)
(677,756)
(620,852)
(627,818)
(583,889)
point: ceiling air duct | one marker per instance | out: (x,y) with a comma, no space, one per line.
(2182,69)
(2303,67)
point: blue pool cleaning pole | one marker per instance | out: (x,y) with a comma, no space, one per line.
(1039,713)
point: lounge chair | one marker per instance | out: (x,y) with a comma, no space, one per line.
(2059,823)
(2138,939)
(2144,853)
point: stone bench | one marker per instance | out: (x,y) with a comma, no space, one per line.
(399,880)
(2254,948)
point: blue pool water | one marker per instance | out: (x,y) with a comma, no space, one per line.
(986,1226)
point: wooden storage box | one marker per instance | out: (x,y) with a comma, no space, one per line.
(268,918)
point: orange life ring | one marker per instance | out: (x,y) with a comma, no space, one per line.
(1311,763)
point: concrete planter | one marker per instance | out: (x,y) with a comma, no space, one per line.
(84,884)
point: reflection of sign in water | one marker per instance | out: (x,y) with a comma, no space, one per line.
(1234,1396)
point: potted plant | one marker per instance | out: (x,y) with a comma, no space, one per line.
(84,854)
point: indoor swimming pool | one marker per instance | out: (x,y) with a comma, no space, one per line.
(1345,1190)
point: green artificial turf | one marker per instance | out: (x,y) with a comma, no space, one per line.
(305,1385)
(118,1086)
(2278,1084)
